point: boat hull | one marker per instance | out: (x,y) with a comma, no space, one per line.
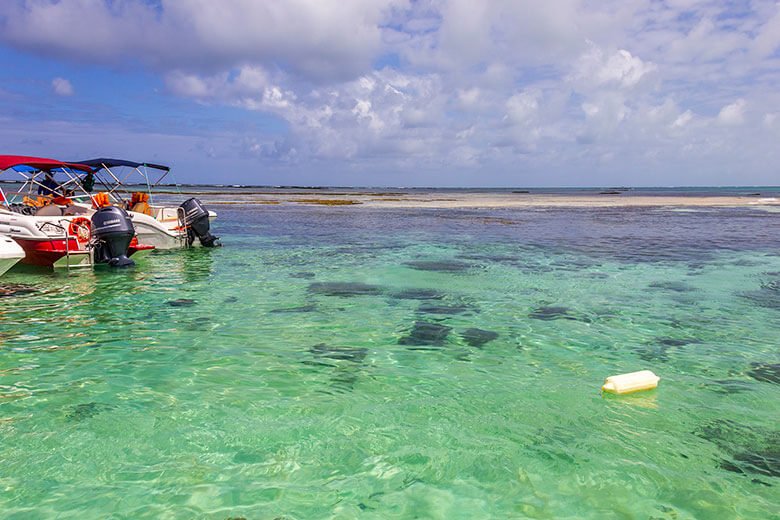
(6,264)
(10,253)
(166,234)
(53,252)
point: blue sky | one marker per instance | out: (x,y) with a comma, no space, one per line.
(399,92)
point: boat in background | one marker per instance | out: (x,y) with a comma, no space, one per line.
(10,253)
(52,229)
(164,227)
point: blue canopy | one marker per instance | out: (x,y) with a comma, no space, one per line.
(98,164)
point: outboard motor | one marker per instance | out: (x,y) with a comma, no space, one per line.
(196,220)
(113,230)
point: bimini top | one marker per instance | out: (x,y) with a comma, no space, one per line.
(39,163)
(98,164)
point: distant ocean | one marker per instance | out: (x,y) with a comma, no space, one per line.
(695,191)
(341,362)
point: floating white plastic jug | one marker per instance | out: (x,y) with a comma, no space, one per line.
(633,382)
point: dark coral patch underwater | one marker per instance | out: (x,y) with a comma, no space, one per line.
(442,266)
(680,287)
(478,337)
(81,412)
(181,302)
(9,290)
(442,308)
(424,333)
(752,451)
(551,313)
(767,372)
(418,294)
(351,354)
(288,310)
(344,289)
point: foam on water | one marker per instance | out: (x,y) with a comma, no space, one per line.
(343,362)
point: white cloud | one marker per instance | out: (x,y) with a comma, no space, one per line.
(547,85)
(62,87)
(319,39)
(733,113)
(767,40)
(618,69)
(522,107)
(683,119)
(469,97)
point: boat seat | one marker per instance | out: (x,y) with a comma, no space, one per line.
(50,210)
(74,210)
(143,207)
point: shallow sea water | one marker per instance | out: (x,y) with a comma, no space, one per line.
(369,363)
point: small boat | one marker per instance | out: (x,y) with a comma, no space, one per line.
(164,227)
(50,227)
(10,253)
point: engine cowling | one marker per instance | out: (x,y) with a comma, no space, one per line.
(196,220)
(112,231)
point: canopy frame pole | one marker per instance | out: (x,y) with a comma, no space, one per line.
(100,179)
(164,175)
(145,175)
(109,188)
(29,182)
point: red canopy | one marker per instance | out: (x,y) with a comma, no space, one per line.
(40,163)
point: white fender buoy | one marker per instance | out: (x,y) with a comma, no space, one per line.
(633,382)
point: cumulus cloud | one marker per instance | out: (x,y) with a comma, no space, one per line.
(683,119)
(319,39)
(550,85)
(62,87)
(597,68)
(522,106)
(733,113)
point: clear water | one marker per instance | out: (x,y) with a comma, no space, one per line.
(246,382)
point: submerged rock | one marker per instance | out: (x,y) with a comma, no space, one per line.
(426,333)
(436,308)
(418,294)
(764,462)
(659,351)
(302,308)
(763,298)
(676,342)
(344,289)
(478,337)
(673,286)
(231,299)
(653,353)
(9,290)
(443,266)
(752,450)
(304,275)
(344,380)
(767,296)
(551,313)
(84,411)
(352,354)
(767,372)
(774,285)
(729,386)
(181,302)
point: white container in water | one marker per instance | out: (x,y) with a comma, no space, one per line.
(633,382)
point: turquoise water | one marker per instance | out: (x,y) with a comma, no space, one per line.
(366,363)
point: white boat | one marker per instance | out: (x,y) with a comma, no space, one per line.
(164,227)
(10,253)
(52,230)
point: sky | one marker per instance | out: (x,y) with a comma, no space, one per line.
(400,92)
